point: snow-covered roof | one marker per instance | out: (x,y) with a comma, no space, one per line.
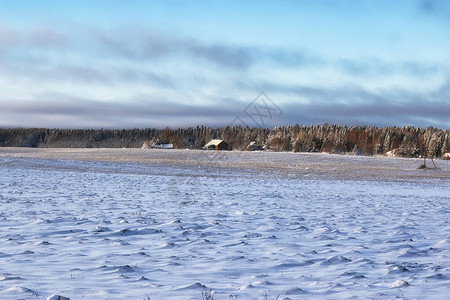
(214,143)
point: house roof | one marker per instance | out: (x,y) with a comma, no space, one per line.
(214,143)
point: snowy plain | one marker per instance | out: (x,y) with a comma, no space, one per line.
(168,224)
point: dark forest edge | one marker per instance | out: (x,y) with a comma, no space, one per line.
(399,141)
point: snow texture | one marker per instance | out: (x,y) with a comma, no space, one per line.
(113,230)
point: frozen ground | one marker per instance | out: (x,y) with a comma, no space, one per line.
(311,165)
(127,224)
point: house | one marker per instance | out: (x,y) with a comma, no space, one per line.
(162,146)
(446,156)
(253,146)
(216,145)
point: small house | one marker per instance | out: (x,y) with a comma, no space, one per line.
(216,145)
(253,146)
(162,146)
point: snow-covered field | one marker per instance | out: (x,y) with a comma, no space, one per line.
(100,225)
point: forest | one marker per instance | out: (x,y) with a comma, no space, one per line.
(364,140)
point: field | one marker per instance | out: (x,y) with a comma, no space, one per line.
(173,224)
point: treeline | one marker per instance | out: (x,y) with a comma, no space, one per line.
(402,141)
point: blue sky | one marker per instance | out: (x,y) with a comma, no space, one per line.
(124,64)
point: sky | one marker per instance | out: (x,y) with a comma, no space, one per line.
(140,64)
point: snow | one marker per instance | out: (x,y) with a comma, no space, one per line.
(108,229)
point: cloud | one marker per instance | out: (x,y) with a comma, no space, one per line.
(235,57)
(137,46)
(186,74)
(373,114)
(154,45)
(294,58)
(350,105)
(45,37)
(142,44)
(34,70)
(41,70)
(376,67)
(48,110)
(361,107)
(354,105)
(11,38)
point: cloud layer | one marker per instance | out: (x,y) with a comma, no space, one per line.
(152,111)
(138,76)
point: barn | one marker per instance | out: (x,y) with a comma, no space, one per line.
(216,145)
(253,146)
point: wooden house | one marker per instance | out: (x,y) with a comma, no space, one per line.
(216,145)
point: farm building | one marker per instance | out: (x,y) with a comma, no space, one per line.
(253,146)
(163,146)
(216,145)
